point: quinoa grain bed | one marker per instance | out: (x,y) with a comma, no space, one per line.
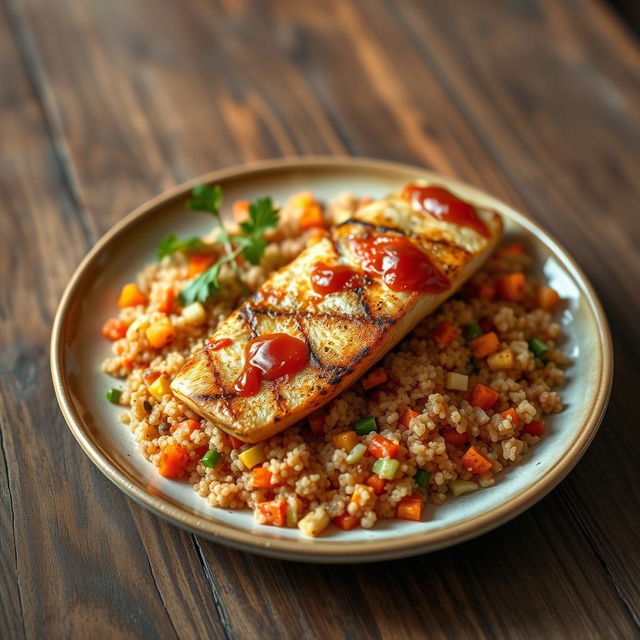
(314,475)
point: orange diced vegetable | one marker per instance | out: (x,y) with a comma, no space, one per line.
(374,378)
(150,376)
(235,443)
(261,477)
(511,413)
(130,296)
(547,298)
(485,291)
(381,447)
(454,437)
(376,483)
(173,461)
(483,397)
(193,425)
(274,511)
(312,217)
(407,417)
(534,428)
(346,440)
(240,210)
(475,462)
(160,333)
(511,287)
(485,344)
(346,521)
(512,249)
(316,422)
(127,364)
(200,262)
(114,329)
(410,508)
(166,305)
(445,333)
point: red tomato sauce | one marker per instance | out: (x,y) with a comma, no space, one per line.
(400,263)
(269,357)
(443,205)
(214,345)
(327,279)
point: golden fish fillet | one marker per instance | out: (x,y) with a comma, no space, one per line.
(345,332)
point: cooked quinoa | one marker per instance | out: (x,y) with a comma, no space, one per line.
(416,408)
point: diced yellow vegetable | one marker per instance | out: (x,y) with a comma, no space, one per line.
(251,457)
(314,523)
(302,200)
(501,360)
(456,381)
(194,314)
(141,322)
(460,487)
(160,388)
(346,440)
(294,508)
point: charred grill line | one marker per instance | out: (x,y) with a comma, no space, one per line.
(248,317)
(313,356)
(214,373)
(374,227)
(340,371)
(274,313)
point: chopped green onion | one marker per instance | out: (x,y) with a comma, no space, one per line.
(422,477)
(460,487)
(472,331)
(385,467)
(355,455)
(210,459)
(113,395)
(472,366)
(538,347)
(365,425)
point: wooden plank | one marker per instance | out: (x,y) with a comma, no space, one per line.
(73,551)
(243,80)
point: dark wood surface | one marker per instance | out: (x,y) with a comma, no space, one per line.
(104,103)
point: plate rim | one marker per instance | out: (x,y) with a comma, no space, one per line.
(321,549)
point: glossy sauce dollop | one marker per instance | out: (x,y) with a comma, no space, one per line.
(401,264)
(327,279)
(269,357)
(442,204)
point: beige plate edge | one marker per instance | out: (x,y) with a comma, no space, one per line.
(320,550)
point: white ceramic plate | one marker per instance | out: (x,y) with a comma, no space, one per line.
(77,351)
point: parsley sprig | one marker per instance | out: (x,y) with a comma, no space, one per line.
(250,242)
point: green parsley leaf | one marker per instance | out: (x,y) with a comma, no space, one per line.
(200,289)
(262,216)
(206,198)
(171,243)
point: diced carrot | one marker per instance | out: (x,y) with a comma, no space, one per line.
(410,508)
(130,296)
(381,447)
(127,364)
(193,425)
(547,298)
(511,287)
(261,477)
(512,249)
(274,511)
(485,291)
(160,333)
(311,217)
(150,376)
(240,210)
(475,462)
(454,437)
(166,305)
(346,521)
(376,482)
(316,422)
(235,443)
(199,262)
(407,417)
(485,344)
(173,461)
(114,329)
(445,333)
(511,413)
(534,428)
(374,378)
(483,397)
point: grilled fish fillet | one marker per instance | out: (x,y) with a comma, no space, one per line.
(346,332)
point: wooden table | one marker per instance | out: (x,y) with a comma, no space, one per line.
(104,103)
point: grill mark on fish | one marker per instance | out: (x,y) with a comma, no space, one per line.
(338,372)
(381,321)
(246,313)
(313,356)
(218,382)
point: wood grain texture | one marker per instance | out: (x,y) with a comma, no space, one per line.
(103,104)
